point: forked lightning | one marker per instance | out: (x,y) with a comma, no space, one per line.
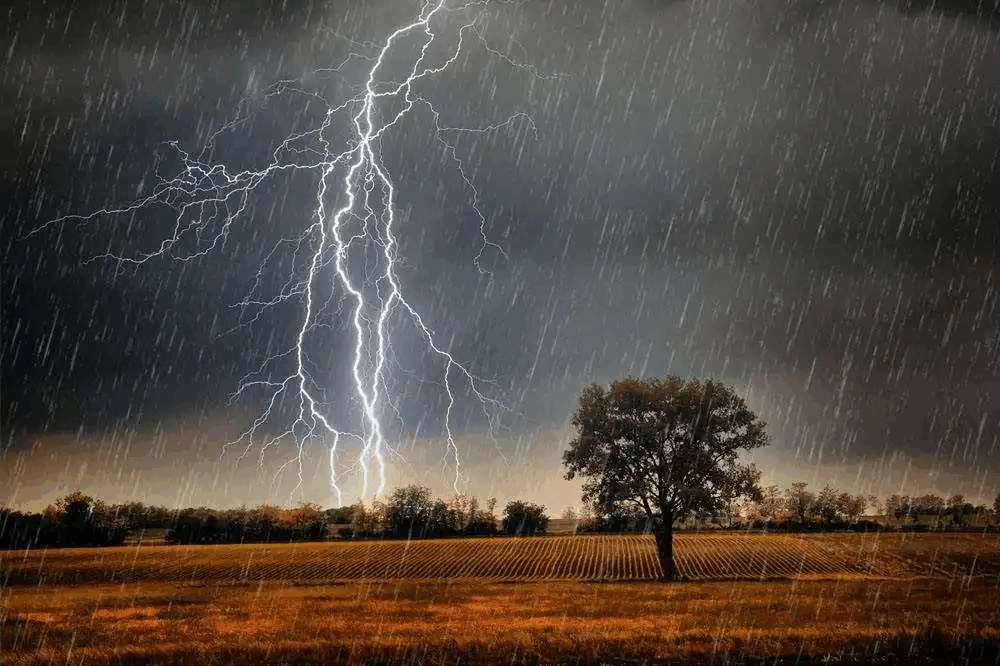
(210,197)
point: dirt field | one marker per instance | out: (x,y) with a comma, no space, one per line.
(752,599)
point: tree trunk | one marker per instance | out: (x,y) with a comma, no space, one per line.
(665,549)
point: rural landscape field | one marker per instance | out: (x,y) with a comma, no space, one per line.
(453,332)
(744,598)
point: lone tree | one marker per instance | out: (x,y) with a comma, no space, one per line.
(668,447)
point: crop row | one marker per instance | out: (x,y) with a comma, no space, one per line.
(626,557)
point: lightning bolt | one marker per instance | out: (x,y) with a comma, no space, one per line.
(210,198)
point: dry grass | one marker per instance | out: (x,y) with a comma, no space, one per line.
(172,615)
(162,622)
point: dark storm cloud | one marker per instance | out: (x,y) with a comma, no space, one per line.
(795,195)
(988,13)
(844,171)
(91,93)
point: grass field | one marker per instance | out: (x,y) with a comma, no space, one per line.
(750,598)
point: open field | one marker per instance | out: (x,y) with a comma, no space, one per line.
(700,557)
(857,598)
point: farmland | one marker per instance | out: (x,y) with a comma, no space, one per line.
(529,600)
(700,557)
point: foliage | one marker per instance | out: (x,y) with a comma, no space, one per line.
(77,519)
(341,515)
(462,509)
(729,515)
(621,519)
(904,507)
(668,447)
(409,510)
(929,504)
(956,510)
(826,505)
(465,516)
(309,520)
(851,507)
(24,530)
(137,515)
(80,520)
(771,506)
(897,506)
(524,518)
(875,504)
(412,511)
(834,509)
(368,522)
(264,523)
(800,502)
(959,509)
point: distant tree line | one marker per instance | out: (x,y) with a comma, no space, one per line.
(798,508)
(408,512)
(413,512)
(306,522)
(956,510)
(77,520)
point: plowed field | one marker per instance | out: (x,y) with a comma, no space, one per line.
(700,557)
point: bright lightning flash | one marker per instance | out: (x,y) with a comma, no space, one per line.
(209,199)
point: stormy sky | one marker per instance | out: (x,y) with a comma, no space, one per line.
(799,198)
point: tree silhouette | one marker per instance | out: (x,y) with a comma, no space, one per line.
(524,518)
(800,502)
(668,447)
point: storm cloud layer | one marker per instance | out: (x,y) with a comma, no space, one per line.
(801,198)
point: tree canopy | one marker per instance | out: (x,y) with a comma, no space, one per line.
(668,447)
(524,518)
